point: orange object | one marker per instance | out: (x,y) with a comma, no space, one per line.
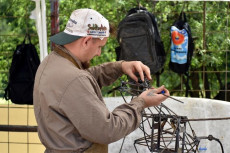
(177,38)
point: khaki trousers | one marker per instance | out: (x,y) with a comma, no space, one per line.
(97,148)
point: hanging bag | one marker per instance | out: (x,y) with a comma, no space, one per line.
(182,45)
(22,72)
(140,40)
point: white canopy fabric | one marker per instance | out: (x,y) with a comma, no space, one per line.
(39,15)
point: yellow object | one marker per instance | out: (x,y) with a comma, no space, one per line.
(19,142)
(97,148)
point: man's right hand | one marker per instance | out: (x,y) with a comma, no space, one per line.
(132,67)
(154,97)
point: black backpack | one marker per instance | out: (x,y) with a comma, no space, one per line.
(139,39)
(22,73)
(182,45)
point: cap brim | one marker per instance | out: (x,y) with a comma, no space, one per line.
(63,38)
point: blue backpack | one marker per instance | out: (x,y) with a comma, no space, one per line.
(182,45)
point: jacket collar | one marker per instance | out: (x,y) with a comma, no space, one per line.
(62,51)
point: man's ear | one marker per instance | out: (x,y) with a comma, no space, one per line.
(86,40)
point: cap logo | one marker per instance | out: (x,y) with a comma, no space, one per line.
(94,29)
(75,22)
(71,23)
(68,29)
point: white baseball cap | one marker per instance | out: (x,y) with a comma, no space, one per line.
(82,23)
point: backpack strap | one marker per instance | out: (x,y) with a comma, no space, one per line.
(67,56)
(27,36)
(158,76)
(6,94)
(187,84)
(135,10)
(182,17)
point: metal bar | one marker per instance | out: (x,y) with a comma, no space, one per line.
(152,135)
(20,143)
(16,107)
(206,119)
(199,90)
(4,71)
(209,71)
(183,139)
(204,45)
(173,98)
(177,135)
(54,18)
(159,131)
(15,35)
(18,128)
(192,12)
(226,57)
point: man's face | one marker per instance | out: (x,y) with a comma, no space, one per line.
(94,49)
(97,45)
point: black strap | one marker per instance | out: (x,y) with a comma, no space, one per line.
(182,17)
(28,37)
(6,95)
(187,84)
(158,79)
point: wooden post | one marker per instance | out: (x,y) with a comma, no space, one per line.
(54,18)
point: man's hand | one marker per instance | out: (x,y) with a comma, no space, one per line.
(131,67)
(153,97)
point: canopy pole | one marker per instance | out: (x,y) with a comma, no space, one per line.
(54,19)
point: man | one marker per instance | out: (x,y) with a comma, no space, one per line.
(69,108)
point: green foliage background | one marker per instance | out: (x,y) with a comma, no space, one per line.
(208,56)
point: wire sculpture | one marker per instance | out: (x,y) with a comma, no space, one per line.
(164,131)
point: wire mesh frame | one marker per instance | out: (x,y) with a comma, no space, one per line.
(163,130)
(166,137)
(167,132)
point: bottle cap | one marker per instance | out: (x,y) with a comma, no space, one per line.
(202,148)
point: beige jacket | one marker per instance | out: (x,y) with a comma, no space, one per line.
(70,110)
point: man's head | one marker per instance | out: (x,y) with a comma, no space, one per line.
(82,23)
(85,34)
(89,48)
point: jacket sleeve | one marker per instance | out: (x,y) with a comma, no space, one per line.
(106,73)
(91,117)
